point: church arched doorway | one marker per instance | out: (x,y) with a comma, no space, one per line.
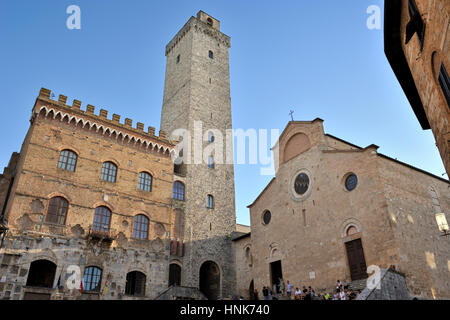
(210,280)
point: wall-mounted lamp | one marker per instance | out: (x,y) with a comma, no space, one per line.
(442,224)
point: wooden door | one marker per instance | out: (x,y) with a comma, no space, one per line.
(356,260)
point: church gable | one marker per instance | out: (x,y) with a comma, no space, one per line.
(298,138)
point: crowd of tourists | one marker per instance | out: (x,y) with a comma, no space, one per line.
(286,291)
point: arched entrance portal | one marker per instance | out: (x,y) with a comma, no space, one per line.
(174,275)
(251,290)
(210,280)
(41,274)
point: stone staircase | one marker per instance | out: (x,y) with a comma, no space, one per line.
(181,293)
(391,286)
(358,285)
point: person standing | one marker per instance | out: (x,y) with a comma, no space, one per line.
(311,291)
(289,290)
(307,295)
(274,289)
(298,294)
(282,286)
(351,295)
(336,295)
(255,295)
(342,294)
(265,292)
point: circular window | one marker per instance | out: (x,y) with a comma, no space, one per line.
(351,182)
(301,184)
(266,217)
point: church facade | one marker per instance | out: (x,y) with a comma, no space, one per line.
(334,209)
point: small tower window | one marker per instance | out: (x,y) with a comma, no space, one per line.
(211,162)
(178,59)
(209,22)
(211,54)
(210,201)
(210,137)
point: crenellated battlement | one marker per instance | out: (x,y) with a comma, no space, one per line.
(125,131)
(199,24)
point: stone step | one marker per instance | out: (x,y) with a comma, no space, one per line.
(181,293)
(358,284)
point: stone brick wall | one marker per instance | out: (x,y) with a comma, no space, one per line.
(55,127)
(308,234)
(197,88)
(423,253)
(6,180)
(244,262)
(424,64)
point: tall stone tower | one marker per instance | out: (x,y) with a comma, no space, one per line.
(197,96)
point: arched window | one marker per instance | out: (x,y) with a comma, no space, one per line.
(135,285)
(211,54)
(140,227)
(210,137)
(210,201)
(102,219)
(145,181)
(92,279)
(67,160)
(209,22)
(109,172)
(211,162)
(444,82)
(178,191)
(57,210)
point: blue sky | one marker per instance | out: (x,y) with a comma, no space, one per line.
(315,57)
